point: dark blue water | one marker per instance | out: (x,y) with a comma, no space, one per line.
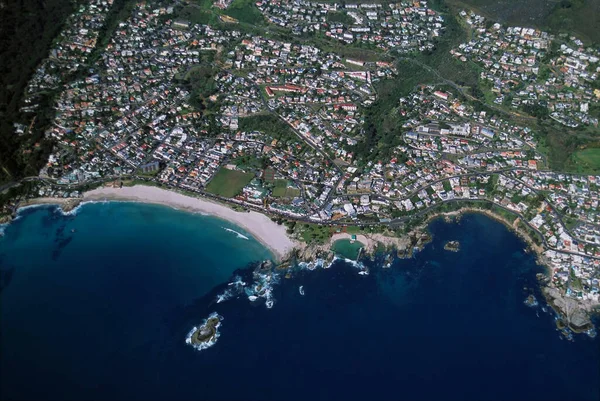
(102,313)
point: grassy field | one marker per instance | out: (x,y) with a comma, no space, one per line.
(586,160)
(281,190)
(313,233)
(581,17)
(245,11)
(196,15)
(228,183)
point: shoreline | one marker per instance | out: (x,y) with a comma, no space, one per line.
(66,204)
(531,245)
(260,226)
(557,301)
(158,196)
(275,238)
(371,242)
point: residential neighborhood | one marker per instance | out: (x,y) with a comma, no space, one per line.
(528,67)
(405,26)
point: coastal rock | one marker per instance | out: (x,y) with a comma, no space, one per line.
(313,253)
(579,320)
(70,204)
(573,312)
(266,265)
(449,218)
(452,246)
(207,334)
(531,301)
(542,278)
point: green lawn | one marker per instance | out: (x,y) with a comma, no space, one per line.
(228,183)
(587,159)
(340,17)
(281,190)
(313,233)
(245,11)
(195,15)
(577,17)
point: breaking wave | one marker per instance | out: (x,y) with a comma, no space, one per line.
(239,235)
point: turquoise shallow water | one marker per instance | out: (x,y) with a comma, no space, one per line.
(347,249)
(98,306)
(85,287)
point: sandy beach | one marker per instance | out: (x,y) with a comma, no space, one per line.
(269,233)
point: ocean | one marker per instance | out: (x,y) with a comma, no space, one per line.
(97,305)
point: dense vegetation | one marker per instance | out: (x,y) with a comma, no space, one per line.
(200,80)
(27,29)
(339,17)
(245,11)
(579,17)
(382,130)
(270,124)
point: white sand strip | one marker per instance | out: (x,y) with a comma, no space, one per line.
(266,231)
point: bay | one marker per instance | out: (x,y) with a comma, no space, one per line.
(98,306)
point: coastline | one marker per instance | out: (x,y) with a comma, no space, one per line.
(260,226)
(66,204)
(531,245)
(372,241)
(275,238)
(574,314)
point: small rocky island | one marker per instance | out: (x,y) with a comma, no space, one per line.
(531,301)
(452,246)
(207,334)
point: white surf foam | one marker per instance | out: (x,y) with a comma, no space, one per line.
(239,235)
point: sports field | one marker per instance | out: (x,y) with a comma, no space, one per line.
(281,190)
(228,183)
